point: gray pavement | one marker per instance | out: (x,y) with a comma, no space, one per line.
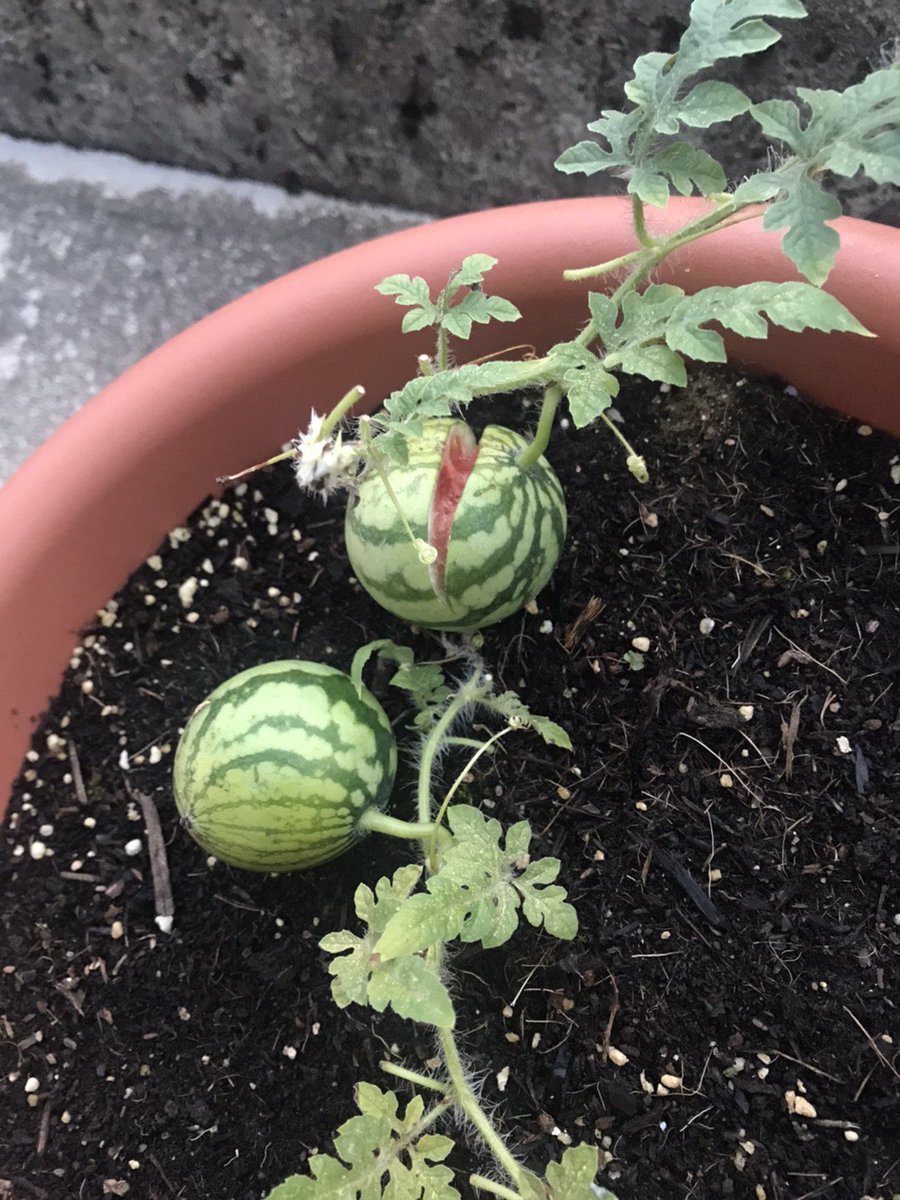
(103,258)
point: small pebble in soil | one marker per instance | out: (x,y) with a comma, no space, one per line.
(798,1105)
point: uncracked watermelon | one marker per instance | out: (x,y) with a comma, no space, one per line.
(276,768)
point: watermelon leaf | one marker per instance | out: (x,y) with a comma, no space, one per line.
(409,984)
(635,345)
(573,1177)
(374,1145)
(518,714)
(454,315)
(590,388)
(473,270)
(424,681)
(843,132)
(439,394)
(479,308)
(664,99)
(744,310)
(412,294)
(478,890)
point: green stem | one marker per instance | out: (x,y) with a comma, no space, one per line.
(616,432)
(443,349)
(339,411)
(483,748)
(574,274)
(472,743)
(648,259)
(533,452)
(270,462)
(427,553)
(533,371)
(459,1089)
(422,1081)
(496,1189)
(379,822)
(653,253)
(464,696)
(640,225)
(468,1102)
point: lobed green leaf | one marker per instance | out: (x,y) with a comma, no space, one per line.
(844,132)
(410,985)
(664,102)
(792,305)
(455,316)
(424,681)
(478,890)
(438,395)
(587,158)
(411,292)
(686,167)
(731,29)
(590,388)
(636,345)
(375,1146)
(707,104)
(655,362)
(661,324)
(473,270)
(509,705)
(573,1177)
(478,308)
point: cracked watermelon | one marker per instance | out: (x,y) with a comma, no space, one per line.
(277,767)
(497,528)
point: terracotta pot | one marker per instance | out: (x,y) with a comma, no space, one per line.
(98,497)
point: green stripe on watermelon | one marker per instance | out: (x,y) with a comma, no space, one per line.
(505,539)
(276,768)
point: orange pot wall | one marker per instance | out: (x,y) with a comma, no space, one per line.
(99,496)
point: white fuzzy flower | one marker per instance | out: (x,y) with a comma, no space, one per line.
(324,465)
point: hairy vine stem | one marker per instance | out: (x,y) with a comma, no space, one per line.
(459,1089)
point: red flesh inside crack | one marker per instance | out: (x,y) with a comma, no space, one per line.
(457,462)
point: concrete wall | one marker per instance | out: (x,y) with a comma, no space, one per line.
(443,105)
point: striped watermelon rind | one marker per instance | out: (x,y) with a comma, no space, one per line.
(506,537)
(276,767)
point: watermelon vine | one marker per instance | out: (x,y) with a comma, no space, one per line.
(473,884)
(453,533)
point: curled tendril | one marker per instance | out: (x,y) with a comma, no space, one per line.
(427,552)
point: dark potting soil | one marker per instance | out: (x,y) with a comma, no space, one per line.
(723,645)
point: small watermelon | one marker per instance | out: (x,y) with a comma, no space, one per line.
(497,527)
(277,767)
